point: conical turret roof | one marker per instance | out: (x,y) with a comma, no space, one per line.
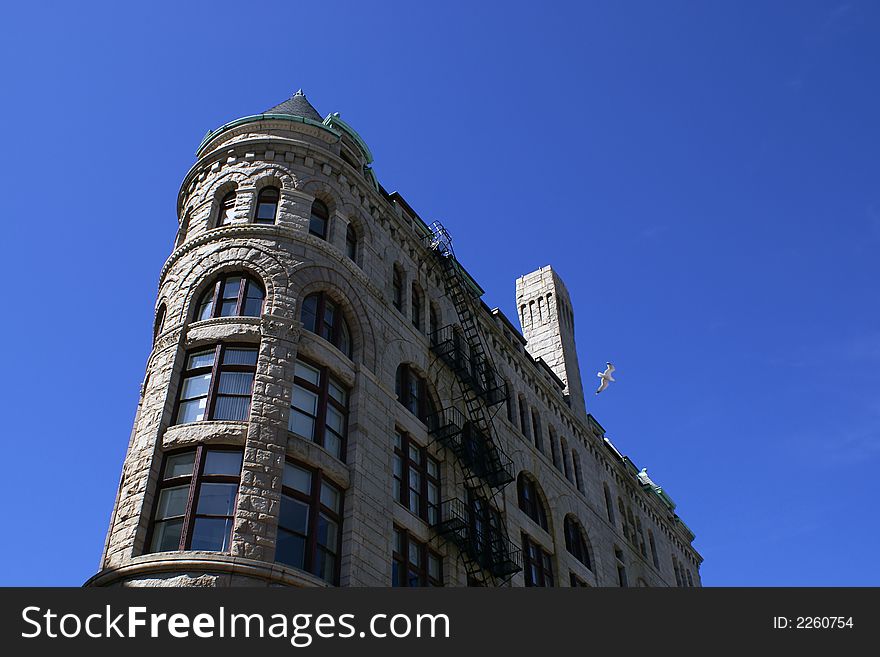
(296,105)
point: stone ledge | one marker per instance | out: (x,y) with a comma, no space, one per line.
(210,432)
(195,566)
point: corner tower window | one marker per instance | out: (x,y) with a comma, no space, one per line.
(196,501)
(226,214)
(323,316)
(267,206)
(351,243)
(310,522)
(319,219)
(217,384)
(235,295)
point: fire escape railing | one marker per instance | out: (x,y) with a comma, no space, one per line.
(489,550)
(474,449)
(473,370)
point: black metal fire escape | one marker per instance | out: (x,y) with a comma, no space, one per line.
(482,541)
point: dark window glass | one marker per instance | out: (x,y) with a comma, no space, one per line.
(576,581)
(319,220)
(413,563)
(529,502)
(267,205)
(217,384)
(536,431)
(397,288)
(412,392)
(416,303)
(159,324)
(621,568)
(233,295)
(351,243)
(195,504)
(537,564)
(323,316)
(575,542)
(434,321)
(319,407)
(416,478)
(310,522)
(227,210)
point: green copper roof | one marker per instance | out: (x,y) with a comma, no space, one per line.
(335,121)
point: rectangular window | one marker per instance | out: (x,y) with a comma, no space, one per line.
(537,564)
(310,522)
(416,477)
(319,408)
(195,504)
(217,384)
(413,563)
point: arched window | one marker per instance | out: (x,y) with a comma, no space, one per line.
(578,477)
(412,392)
(319,219)
(566,466)
(267,205)
(159,324)
(397,288)
(529,500)
(182,231)
(554,448)
(523,416)
(351,243)
(416,306)
(653,550)
(321,315)
(576,541)
(609,505)
(536,431)
(511,403)
(310,522)
(233,295)
(226,213)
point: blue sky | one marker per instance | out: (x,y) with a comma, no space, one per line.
(704,176)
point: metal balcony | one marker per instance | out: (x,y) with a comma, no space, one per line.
(474,449)
(492,551)
(465,360)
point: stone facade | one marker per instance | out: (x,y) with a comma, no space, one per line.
(629,525)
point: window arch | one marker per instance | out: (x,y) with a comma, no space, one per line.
(319,220)
(226,211)
(159,323)
(416,306)
(267,205)
(351,243)
(413,392)
(322,315)
(232,295)
(576,541)
(530,500)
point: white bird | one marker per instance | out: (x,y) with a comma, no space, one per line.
(606,377)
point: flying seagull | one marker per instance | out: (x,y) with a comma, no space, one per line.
(606,377)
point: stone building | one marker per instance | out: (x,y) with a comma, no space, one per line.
(329,402)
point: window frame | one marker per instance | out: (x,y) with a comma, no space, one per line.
(397,287)
(528,495)
(316,508)
(194,481)
(400,560)
(417,307)
(219,285)
(325,210)
(403,388)
(260,202)
(227,203)
(322,390)
(576,543)
(216,369)
(427,511)
(542,574)
(339,321)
